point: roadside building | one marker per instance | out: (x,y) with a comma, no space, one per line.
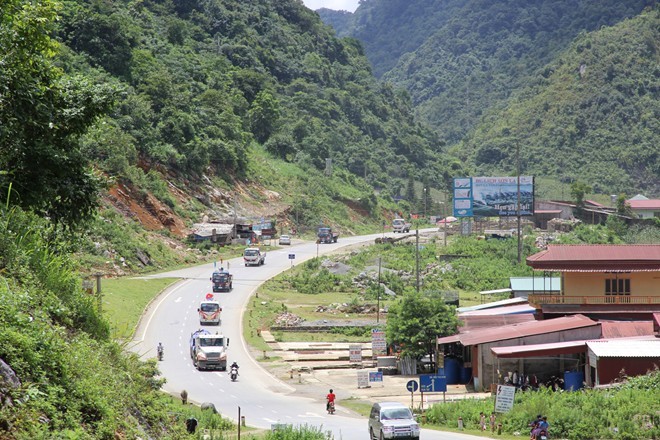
(472,349)
(214,232)
(644,208)
(600,281)
(609,361)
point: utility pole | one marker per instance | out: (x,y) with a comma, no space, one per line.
(518,202)
(417,254)
(378,300)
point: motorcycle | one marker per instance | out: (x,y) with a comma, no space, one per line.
(233,374)
(160,350)
(331,407)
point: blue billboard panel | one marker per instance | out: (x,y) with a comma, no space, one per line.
(493,196)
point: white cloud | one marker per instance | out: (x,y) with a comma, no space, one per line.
(337,5)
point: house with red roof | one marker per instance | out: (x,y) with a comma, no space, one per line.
(644,208)
(600,281)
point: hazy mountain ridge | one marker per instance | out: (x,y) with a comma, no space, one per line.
(461,61)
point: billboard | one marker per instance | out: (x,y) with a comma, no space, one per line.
(493,196)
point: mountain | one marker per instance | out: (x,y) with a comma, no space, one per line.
(462,61)
(203,82)
(590,115)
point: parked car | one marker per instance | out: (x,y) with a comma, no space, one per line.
(285,239)
(392,420)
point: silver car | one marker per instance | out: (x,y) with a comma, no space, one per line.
(285,239)
(392,420)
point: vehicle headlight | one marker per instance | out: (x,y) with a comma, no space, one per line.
(415,428)
(388,428)
(223,357)
(201,356)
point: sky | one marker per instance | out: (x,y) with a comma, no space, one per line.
(338,5)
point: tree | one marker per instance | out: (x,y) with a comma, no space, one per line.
(43,113)
(416,320)
(578,191)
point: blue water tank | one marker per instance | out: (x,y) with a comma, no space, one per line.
(466,374)
(452,371)
(573,380)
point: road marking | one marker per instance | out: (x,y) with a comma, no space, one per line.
(271,420)
(178,299)
(311,415)
(153,312)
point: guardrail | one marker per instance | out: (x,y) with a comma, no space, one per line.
(605,299)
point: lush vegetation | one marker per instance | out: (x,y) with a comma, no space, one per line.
(589,104)
(203,82)
(628,411)
(590,114)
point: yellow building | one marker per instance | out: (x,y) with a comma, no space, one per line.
(600,281)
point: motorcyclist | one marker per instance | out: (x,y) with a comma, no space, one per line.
(331,400)
(233,369)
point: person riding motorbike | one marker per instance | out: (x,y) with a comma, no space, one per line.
(160,350)
(233,371)
(330,406)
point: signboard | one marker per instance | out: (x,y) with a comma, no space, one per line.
(274,427)
(378,343)
(433,383)
(355,353)
(412,386)
(493,196)
(292,256)
(375,376)
(504,398)
(363,379)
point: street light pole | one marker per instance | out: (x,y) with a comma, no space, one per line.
(378,300)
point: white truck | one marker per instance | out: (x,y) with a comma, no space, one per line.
(400,225)
(208,351)
(254,256)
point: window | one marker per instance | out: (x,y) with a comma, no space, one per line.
(617,286)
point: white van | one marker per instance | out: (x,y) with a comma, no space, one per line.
(392,420)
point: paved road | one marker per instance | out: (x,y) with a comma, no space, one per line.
(262,398)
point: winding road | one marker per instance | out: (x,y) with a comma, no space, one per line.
(263,399)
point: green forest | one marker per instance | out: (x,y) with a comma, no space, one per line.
(164,99)
(472,66)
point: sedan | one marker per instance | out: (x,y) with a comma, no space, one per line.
(285,239)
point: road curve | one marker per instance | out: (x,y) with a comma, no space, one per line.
(263,399)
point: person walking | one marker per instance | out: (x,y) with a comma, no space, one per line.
(493,418)
(482,421)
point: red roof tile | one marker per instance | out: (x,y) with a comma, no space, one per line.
(625,329)
(597,258)
(530,328)
(653,204)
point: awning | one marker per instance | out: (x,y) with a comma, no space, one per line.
(448,339)
(538,350)
(493,292)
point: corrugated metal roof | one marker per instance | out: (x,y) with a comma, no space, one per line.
(493,304)
(646,348)
(651,204)
(534,350)
(524,329)
(536,284)
(474,322)
(509,310)
(625,329)
(596,258)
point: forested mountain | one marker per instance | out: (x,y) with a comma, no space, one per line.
(592,115)
(461,60)
(203,80)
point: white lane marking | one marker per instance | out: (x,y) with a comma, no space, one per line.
(311,415)
(153,312)
(178,300)
(270,420)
